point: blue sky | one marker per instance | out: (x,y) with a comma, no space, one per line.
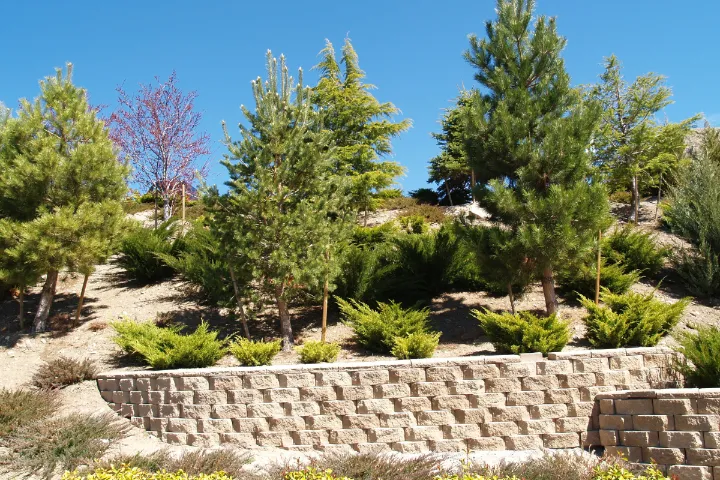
(411,50)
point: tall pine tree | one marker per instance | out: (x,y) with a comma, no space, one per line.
(630,146)
(451,169)
(282,193)
(60,187)
(361,127)
(528,138)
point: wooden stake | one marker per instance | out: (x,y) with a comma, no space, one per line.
(325,296)
(512,298)
(183,204)
(599,258)
(82,299)
(238,301)
(657,205)
(21,301)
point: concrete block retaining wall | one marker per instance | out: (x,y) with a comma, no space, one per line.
(501,402)
(677,429)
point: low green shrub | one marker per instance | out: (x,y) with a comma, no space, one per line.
(254,353)
(166,348)
(66,442)
(317,352)
(19,408)
(523,332)
(374,235)
(621,197)
(636,250)
(431,213)
(63,371)
(199,260)
(414,224)
(700,364)
(194,462)
(372,466)
(581,280)
(699,270)
(630,319)
(396,203)
(416,345)
(142,249)
(376,330)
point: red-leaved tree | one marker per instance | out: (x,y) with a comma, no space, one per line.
(156,130)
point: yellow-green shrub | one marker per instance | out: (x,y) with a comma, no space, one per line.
(254,353)
(317,352)
(616,472)
(416,345)
(311,473)
(523,332)
(474,476)
(127,473)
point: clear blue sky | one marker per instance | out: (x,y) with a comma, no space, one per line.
(411,50)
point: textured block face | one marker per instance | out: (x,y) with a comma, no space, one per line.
(245,396)
(616,422)
(310,437)
(486,443)
(681,439)
(429,389)
(548,411)
(422,433)
(462,431)
(216,426)
(450,402)
(324,379)
(234,382)
(536,427)
(627,362)
(540,382)
(674,406)
(338,407)
(639,439)
(392,390)
(517,369)
(324,422)
(348,436)
(279,395)
(590,365)
(690,472)
(481,372)
(398,419)
(554,367)
(466,387)
(503,385)
(572,424)
(697,423)
(386,435)
(318,394)
(296,380)
(524,442)
(413,404)
(639,406)
(407,375)
(663,456)
(355,392)
(250,425)
(435,418)
(210,397)
(500,429)
(657,423)
(262,410)
(444,374)
(704,457)
(708,405)
(561,440)
(509,414)
(379,405)
(525,398)
(371,377)
(487,399)
(361,421)
(473,415)
(576,380)
(287,424)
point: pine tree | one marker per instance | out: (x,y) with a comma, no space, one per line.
(60,186)
(630,146)
(451,169)
(361,127)
(528,134)
(282,192)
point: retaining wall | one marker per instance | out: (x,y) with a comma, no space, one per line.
(501,402)
(677,429)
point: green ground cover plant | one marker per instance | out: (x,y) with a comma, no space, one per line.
(255,353)
(523,332)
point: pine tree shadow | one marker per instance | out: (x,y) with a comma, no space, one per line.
(60,321)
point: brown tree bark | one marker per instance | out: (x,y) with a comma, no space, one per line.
(548,285)
(512,298)
(285,325)
(447,192)
(82,300)
(46,299)
(238,301)
(21,307)
(636,199)
(325,298)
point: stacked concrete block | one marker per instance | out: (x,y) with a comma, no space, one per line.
(677,429)
(475,403)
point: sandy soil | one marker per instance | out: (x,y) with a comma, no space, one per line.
(109,297)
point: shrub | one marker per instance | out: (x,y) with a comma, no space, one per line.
(636,250)
(254,353)
(416,345)
(621,197)
(630,319)
(699,270)
(63,371)
(311,473)
(523,332)
(374,235)
(701,351)
(396,203)
(317,352)
(431,213)
(134,473)
(616,472)
(376,330)
(141,253)
(581,280)
(414,224)
(362,272)
(199,260)
(197,462)
(387,467)
(164,348)
(548,466)
(64,442)
(19,408)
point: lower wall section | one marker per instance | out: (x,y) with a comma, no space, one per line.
(677,429)
(472,403)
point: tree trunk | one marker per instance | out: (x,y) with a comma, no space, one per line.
(167,210)
(46,299)
(472,184)
(657,205)
(635,199)
(156,208)
(238,301)
(82,300)
(21,306)
(285,326)
(599,265)
(325,298)
(512,298)
(447,191)
(367,212)
(548,285)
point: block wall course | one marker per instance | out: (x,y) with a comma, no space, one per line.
(498,402)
